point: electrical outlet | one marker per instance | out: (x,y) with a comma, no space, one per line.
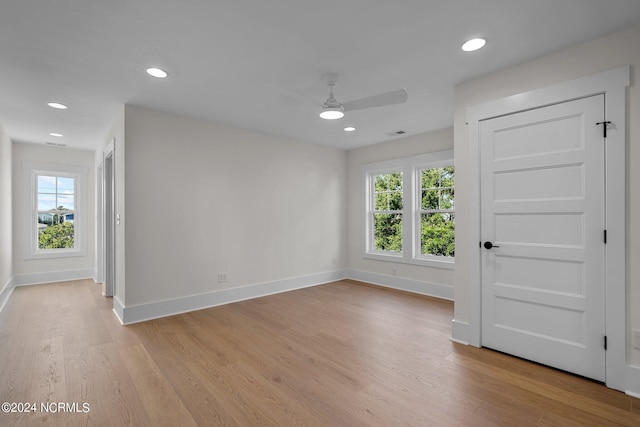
(636,339)
(222,277)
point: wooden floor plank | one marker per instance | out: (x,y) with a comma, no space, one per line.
(162,404)
(345,353)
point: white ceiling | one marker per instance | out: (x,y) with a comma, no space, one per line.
(237,61)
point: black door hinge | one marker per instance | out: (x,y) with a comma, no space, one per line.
(604,127)
(605,237)
(605,342)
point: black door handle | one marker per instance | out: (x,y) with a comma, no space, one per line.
(489,245)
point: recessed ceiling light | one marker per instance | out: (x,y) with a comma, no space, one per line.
(59,135)
(157,72)
(473,44)
(349,129)
(57,105)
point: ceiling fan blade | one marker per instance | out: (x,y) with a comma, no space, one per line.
(388,98)
(294,94)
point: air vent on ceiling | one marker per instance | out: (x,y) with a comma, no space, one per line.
(396,133)
(55,144)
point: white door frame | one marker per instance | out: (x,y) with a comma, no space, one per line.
(613,84)
(108,222)
(99,222)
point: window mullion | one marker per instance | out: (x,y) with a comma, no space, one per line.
(407,215)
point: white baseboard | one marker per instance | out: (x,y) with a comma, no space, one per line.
(118,309)
(138,313)
(5,293)
(142,312)
(460,332)
(633,381)
(403,284)
(52,276)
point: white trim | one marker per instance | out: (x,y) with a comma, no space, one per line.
(633,381)
(154,310)
(434,262)
(99,233)
(460,332)
(613,84)
(53,277)
(118,309)
(6,293)
(409,285)
(139,313)
(107,222)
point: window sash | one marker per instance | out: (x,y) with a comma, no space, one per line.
(445,205)
(390,239)
(390,193)
(443,248)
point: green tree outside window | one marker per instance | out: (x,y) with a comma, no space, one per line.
(437,212)
(387,212)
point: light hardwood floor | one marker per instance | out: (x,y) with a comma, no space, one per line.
(339,354)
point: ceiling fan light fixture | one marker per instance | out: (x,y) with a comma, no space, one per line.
(332,113)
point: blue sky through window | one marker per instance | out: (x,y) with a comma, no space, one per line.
(54,191)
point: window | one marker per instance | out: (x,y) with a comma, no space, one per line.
(410,210)
(437,215)
(54,226)
(387,212)
(56,202)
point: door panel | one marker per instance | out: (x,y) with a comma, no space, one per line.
(523,184)
(528,140)
(543,228)
(542,196)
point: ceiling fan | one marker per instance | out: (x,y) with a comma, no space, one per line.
(332,109)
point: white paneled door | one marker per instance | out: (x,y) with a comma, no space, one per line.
(543,238)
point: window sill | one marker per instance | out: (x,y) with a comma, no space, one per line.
(447,264)
(55,254)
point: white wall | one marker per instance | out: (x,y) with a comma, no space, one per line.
(385,272)
(204,198)
(38,270)
(6,247)
(598,55)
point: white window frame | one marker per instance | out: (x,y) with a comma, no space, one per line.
(370,182)
(419,211)
(32,170)
(411,202)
